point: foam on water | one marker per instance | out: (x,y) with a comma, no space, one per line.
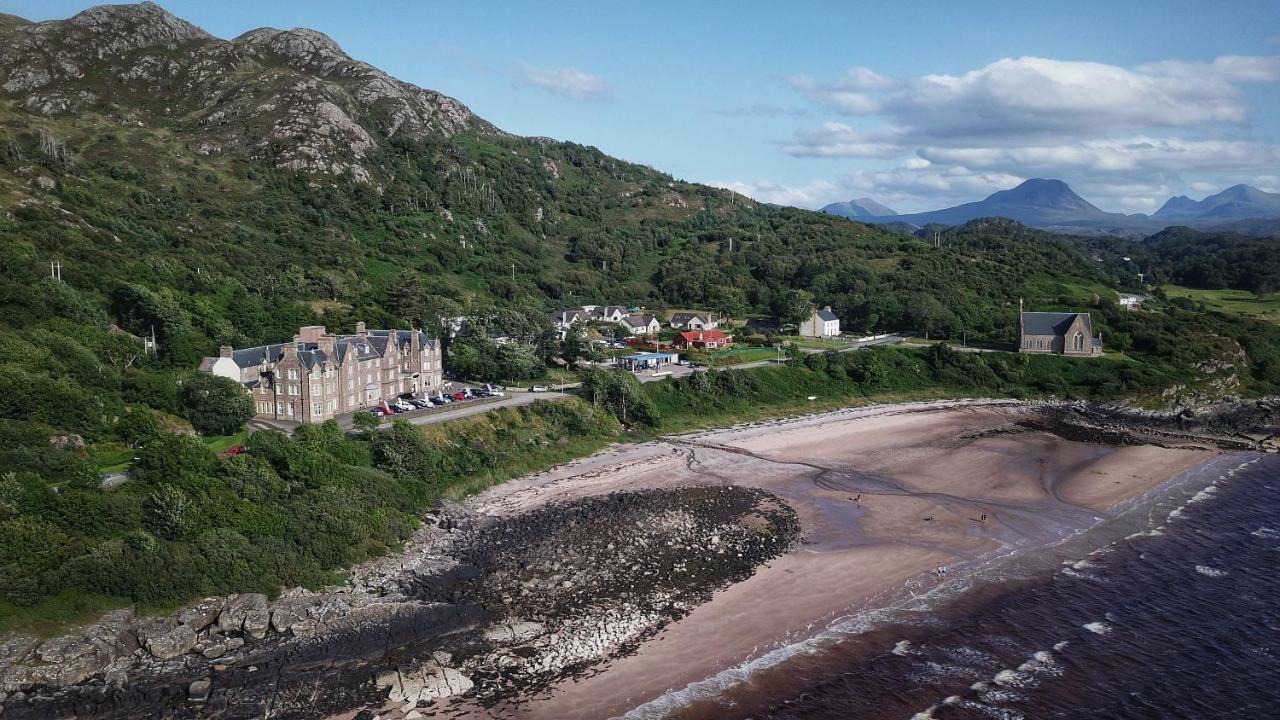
(1266,533)
(902,648)
(1098,628)
(1208,571)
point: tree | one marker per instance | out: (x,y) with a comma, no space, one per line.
(574,346)
(216,405)
(365,421)
(792,306)
(620,393)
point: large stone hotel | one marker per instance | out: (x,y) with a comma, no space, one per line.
(319,376)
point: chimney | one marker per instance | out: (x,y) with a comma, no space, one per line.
(310,333)
(289,351)
(361,330)
(225,351)
(415,341)
(327,344)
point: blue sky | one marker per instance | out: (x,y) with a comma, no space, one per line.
(917,105)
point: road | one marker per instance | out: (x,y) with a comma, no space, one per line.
(467,408)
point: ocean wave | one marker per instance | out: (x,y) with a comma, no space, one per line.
(1098,628)
(902,648)
(1013,678)
(1266,533)
(1208,571)
(1204,494)
(991,711)
(1059,647)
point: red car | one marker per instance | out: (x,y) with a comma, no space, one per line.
(460,395)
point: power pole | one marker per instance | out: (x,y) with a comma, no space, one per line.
(513,272)
(55,270)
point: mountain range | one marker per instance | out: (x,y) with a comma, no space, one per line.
(1050,204)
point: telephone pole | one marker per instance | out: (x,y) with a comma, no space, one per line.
(55,270)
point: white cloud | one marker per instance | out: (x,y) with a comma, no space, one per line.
(1143,154)
(1040,97)
(814,195)
(569,82)
(833,139)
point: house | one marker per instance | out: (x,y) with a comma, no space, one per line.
(821,324)
(1060,333)
(564,319)
(606,313)
(703,339)
(646,361)
(640,324)
(318,376)
(694,321)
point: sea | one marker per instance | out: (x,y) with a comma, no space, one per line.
(1170,610)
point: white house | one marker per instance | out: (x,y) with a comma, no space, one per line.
(694,321)
(562,319)
(636,325)
(822,323)
(606,313)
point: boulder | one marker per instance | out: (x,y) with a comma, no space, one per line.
(198,691)
(179,640)
(515,631)
(238,607)
(256,623)
(202,614)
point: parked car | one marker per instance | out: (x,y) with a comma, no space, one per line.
(403,406)
(459,396)
(420,403)
(493,391)
(539,388)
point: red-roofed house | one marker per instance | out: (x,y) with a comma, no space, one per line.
(704,339)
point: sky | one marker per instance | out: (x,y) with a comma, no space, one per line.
(917,105)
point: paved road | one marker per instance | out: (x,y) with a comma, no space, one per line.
(472,407)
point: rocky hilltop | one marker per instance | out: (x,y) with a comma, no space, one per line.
(291,97)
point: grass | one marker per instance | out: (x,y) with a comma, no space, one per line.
(807,342)
(222,443)
(111,457)
(1239,302)
(737,356)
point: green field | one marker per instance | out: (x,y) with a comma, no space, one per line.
(737,356)
(1240,302)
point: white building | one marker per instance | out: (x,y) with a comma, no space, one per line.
(821,324)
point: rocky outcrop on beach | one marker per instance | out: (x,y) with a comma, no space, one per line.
(1231,424)
(478,606)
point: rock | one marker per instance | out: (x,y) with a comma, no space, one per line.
(238,608)
(202,614)
(214,651)
(69,441)
(198,691)
(256,623)
(517,631)
(172,643)
(46,183)
(70,658)
(428,682)
(234,643)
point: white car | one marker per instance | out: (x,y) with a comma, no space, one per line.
(494,391)
(539,388)
(403,406)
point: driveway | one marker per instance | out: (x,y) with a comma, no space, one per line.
(467,408)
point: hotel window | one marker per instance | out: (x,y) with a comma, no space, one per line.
(293,389)
(293,374)
(317,388)
(317,408)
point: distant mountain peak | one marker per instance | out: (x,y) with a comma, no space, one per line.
(858,208)
(1044,192)
(1238,202)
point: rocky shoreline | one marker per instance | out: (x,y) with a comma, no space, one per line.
(491,608)
(478,606)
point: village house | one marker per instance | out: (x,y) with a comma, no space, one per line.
(703,340)
(318,376)
(640,324)
(1060,333)
(606,313)
(564,319)
(820,324)
(693,321)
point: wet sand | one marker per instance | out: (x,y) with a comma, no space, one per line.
(886,495)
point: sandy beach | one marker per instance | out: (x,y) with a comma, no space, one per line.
(886,496)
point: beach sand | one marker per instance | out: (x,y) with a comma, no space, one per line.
(885,495)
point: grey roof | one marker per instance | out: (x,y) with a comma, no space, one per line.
(684,317)
(637,320)
(1052,323)
(310,354)
(826,315)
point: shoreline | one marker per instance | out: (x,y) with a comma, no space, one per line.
(857,575)
(882,495)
